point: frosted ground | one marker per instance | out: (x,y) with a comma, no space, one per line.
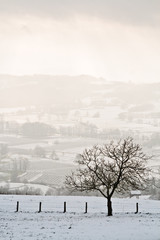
(52,223)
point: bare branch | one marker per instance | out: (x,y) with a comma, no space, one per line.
(112,167)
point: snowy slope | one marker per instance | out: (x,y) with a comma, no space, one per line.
(52,223)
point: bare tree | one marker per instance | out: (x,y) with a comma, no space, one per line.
(114,167)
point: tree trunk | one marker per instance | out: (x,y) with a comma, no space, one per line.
(109,205)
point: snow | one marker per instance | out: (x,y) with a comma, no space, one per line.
(136,192)
(52,223)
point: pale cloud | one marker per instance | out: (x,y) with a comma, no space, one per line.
(117,39)
(138,12)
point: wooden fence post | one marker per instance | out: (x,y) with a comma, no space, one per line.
(136,208)
(17,208)
(86,207)
(40,207)
(64,207)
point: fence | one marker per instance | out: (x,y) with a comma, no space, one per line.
(10,203)
(64,211)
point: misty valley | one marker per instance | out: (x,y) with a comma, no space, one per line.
(47,121)
(80,120)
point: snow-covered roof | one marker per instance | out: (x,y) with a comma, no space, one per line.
(136,192)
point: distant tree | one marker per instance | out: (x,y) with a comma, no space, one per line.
(80,129)
(24,164)
(37,130)
(3,150)
(78,156)
(39,151)
(2,125)
(54,155)
(113,167)
(85,130)
(153,140)
(14,172)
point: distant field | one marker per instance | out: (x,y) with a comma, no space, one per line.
(59,143)
(65,148)
(13,140)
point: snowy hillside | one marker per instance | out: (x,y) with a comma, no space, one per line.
(52,223)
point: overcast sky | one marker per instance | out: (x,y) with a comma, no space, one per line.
(115,39)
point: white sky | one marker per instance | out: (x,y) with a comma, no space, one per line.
(115,39)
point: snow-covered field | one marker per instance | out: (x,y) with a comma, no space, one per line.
(52,223)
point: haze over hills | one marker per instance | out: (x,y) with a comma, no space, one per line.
(49,120)
(44,90)
(20,91)
(79,98)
